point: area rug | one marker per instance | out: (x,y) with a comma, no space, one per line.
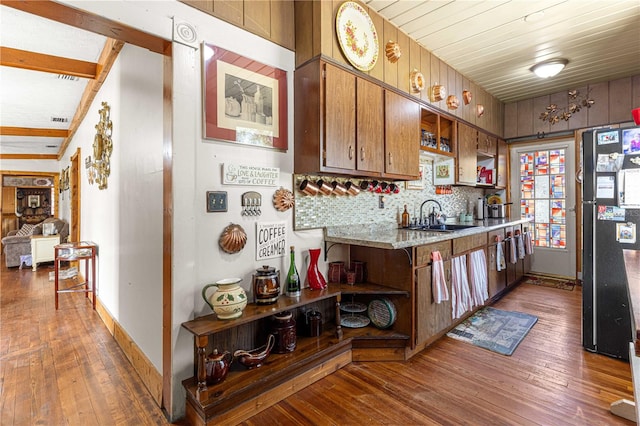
(547,281)
(494,329)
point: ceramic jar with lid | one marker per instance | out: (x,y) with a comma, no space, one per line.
(266,285)
(283,327)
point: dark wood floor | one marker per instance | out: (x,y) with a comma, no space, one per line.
(65,368)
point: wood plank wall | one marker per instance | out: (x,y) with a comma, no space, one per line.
(614,101)
(316,35)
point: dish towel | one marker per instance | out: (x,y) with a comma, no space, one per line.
(438,281)
(520,240)
(478,274)
(501,263)
(513,255)
(528,243)
(460,296)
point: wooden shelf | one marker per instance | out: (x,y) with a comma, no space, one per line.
(210,324)
(370,289)
(242,384)
(372,333)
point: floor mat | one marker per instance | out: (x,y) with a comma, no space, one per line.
(547,281)
(494,329)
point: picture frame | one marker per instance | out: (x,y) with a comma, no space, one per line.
(33,201)
(244,101)
(419,183)
(444,172)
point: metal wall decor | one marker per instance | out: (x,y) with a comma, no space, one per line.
(99,169)
(553,113)
(417,81)
(393,51)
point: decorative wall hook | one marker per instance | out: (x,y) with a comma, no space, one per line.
(99,169)
(554,113)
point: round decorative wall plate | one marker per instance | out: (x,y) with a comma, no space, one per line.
(357,35)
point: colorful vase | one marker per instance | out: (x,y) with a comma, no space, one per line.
(316,280)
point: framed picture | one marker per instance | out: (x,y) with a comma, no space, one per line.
(444,172)
(631,141)
(245,101)
(416,184)
(34,201)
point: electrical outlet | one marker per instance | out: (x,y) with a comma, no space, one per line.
(381,201)
(216,201)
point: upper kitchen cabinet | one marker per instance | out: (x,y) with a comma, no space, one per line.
(501,165)
(487,144)
(347,125)
(438,133)
(467,158)
(402,132)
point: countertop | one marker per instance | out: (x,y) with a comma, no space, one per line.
(387,235)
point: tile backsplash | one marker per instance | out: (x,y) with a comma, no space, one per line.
(321,210)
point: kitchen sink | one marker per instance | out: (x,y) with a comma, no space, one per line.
(449,227)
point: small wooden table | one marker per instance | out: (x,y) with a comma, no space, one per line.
(83,250)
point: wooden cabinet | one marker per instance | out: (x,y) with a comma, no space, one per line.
(432,319)
(348,125)
(487,144)
(402,133)
(497,280)
(438,133)
(502,176)
(467,158)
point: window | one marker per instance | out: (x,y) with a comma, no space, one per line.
(542,196)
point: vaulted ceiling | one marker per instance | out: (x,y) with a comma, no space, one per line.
(50,71)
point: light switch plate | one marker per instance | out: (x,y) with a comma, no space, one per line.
(216,201)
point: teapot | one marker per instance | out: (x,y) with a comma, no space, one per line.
(217,366)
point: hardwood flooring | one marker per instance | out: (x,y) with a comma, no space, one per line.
(549,380)
(63,367)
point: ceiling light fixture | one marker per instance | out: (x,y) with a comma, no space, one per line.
(535,16)
(549,68)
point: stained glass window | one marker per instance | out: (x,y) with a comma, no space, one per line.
(542,196)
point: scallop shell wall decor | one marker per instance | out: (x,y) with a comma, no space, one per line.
(283,200)
(233,238)
(480,109)
(453,102)
(417,81)
(393,52)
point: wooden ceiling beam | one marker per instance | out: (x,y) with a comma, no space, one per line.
(94,23)
(46,63)
(107,57)
(33,132)
(28,157)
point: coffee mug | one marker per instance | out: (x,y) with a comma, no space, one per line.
(324,187)
(338,188)
(394,189)
(309,187)
(352,189)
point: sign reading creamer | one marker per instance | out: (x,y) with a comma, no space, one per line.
(239,174)
(271,240)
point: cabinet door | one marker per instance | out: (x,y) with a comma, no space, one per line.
(497,280)
(402,136)
(467,148)
(339,118)
(501,164)
(486,144)
(370,126)
(431,318)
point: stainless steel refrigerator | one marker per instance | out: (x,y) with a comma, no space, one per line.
(611,215)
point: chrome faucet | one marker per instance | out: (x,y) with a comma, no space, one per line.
(432,216)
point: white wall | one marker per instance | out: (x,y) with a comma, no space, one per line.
(30,165)
(125,219)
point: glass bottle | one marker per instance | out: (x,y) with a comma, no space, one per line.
(293,279)
(405,217)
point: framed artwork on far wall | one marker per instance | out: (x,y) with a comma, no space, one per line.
(245,101)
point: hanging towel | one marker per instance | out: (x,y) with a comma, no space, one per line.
(528,243)
(460,296)
(520,242)
(478,274)
(501,263)
(438,281)
(513,255)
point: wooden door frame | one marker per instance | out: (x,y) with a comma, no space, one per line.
(74,197)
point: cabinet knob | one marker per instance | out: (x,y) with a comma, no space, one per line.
(390,158)
(362,154)
(350,152)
